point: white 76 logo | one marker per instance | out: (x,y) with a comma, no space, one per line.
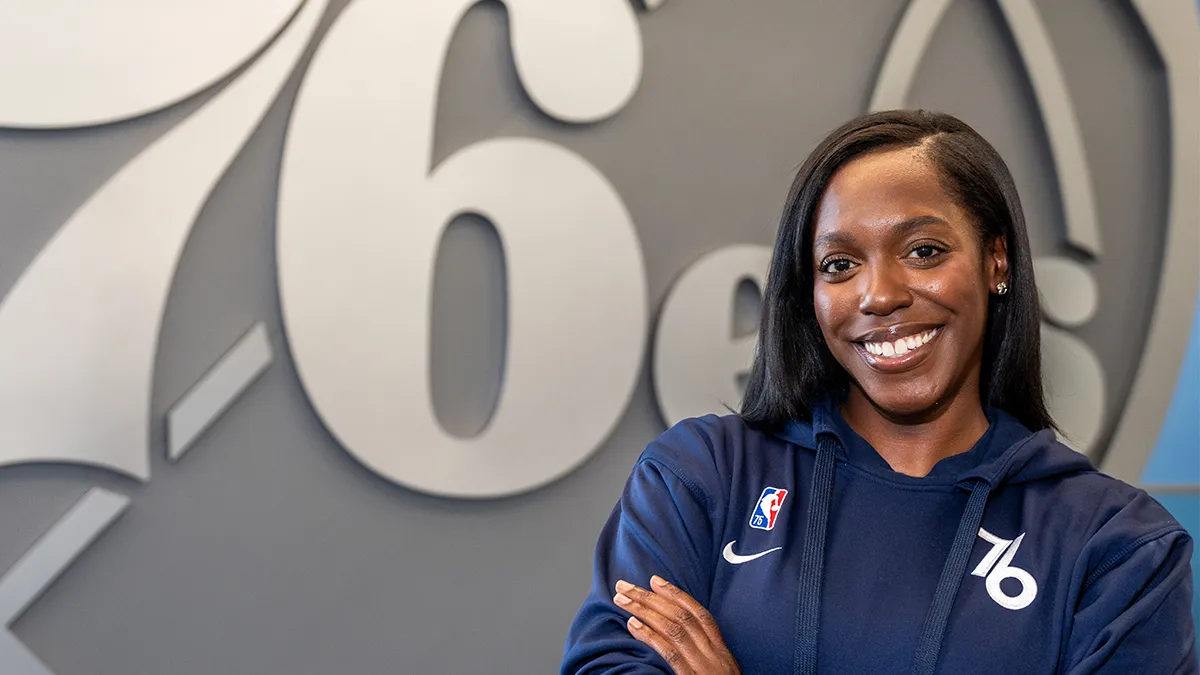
(1003,570)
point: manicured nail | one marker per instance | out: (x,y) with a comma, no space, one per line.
(633,621)
(658,582)
(624,586)
(621,599)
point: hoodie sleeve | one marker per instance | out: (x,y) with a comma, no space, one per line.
(1134,612)
(663,524)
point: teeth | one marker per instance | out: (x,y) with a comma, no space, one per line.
(900,346)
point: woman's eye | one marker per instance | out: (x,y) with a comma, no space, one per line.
(926,251)
(836,266)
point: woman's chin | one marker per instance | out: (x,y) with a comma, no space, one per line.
(916,403)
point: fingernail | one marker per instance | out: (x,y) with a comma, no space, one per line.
(624,586)
(633,621)
(658,582)
(621,599)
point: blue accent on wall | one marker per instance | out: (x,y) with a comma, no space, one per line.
(1176,457)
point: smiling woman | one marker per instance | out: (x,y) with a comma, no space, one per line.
(893,455)
(901,289)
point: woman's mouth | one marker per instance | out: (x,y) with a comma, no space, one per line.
(900,346)
(899,354)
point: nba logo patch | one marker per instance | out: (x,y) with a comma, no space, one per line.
(767,509)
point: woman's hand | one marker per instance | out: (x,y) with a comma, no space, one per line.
(673,624)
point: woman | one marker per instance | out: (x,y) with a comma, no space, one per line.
(891,498)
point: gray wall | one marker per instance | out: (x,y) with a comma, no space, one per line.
(269,549)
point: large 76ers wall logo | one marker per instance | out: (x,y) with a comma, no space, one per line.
(361,212)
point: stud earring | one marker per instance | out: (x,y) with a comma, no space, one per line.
(1001,288)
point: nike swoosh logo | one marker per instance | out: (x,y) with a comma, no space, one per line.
(736,559)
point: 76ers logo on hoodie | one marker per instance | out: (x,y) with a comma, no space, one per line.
(767,509)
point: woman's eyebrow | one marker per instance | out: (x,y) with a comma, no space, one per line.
(918,221)
(834,239)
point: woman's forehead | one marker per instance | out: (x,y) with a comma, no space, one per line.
(874,194)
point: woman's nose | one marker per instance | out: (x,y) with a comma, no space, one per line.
(883,289)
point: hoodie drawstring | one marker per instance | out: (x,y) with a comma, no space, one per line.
(930,644)
(812,568)
(812,560)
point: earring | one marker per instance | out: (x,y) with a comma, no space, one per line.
(1001,288)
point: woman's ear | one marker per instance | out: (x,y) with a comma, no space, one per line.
(997,261)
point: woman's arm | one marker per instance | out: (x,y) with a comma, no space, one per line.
(1134,613)
(663,525)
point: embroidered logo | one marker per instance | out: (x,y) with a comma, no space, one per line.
(736,559)
(767,509)
(996,567)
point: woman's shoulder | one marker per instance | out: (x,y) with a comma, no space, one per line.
(1114,516)
(1097,492)
(708,450)
(710,455)
(1064,479)
(709,438)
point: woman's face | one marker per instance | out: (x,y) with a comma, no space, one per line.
(901,283)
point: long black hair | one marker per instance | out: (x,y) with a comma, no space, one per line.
(793,366)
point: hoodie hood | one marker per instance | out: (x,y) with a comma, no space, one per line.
(1007,453)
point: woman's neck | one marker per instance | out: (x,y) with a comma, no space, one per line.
(913,447)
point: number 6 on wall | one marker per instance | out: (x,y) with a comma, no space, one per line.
(361,216)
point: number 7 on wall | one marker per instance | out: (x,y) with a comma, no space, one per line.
(79,330)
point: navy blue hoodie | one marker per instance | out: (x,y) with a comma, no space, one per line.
(1016,557)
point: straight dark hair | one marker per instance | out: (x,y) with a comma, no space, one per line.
(793,366)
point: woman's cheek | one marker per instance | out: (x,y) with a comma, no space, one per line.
(829,304)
